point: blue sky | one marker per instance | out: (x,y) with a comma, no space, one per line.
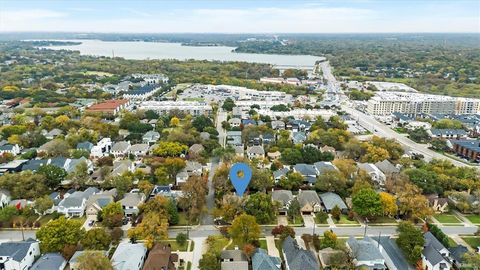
(240,16)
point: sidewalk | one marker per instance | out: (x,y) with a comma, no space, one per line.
(271,248)
(460,241)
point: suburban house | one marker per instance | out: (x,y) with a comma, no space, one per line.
(9,148)
(73,262)
(98,201)
(274,155)
(330,200)
(234,138)
(233,260)
(18,255)
(299,137)
(309,172)
(120,148)
(469,149)
(278,174)
(161,257)
(324,166)
(456,255)
(193,168)
(129,256)
(86,146)
(235,122)
(309,202)
(122,166)
(255,151)
(435,256)
(394,258)
(283,198)
(439,205)
(378,177)
(102,148)
(5,197)
(50,261)
(262,261)
(278,125)
(52,134)
(74,205)
(366,254)
(139,149)
(387,167)
(297,257)
(131,201)
(195,150)
(150,137)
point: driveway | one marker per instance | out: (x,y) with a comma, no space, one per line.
(85,224)
(198,251)
(282,220)
(308,220)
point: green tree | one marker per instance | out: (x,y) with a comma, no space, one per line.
(291,156)
(96,239)
(472,259)
(42,204)
(112,214)
(181,239)
(329,240)
(79,176)
(292,181)
(262,179)
(331,180)
(336,212)
(26,185)
(94,260)
(7,213)
(419,135)
(173,166)
(58,233)
(261,207)
(228,104)
(410,240)
(366,202)
(244,229)
(201,122)
(209,261)
(170,149)
(294,210)
(53,175)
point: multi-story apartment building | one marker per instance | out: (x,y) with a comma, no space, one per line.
(386,103)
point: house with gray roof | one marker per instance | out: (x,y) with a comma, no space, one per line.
(18,255)
(324,166)
(299,137)
(394,258)
(366,254)
(120,148)
(129,256)
(13,149)
(448,133)
(122,166)
(278,125)
(195,150)
(308,171)
(309,202)
(435,255)
(278,174)
(131,201)
(52,134)
(283,198)
(50,261)
(387,167)
(262,261)
(378,177)
(234,138)
(233,260)
(457,254)
(150,137)
(330,200)
(297,257)
(97,202)
(139,149)
(255,151)
(86,145)
(74,205)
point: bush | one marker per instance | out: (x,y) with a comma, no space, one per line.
(181,239)
(351,215)
(321,217)
(442,237)
(283,231)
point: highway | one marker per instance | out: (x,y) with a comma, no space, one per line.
(382,130)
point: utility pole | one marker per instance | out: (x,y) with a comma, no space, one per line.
(366,225)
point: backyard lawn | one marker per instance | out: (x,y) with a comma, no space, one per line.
(263,243)
(475,219)
(473,241)
(447,218)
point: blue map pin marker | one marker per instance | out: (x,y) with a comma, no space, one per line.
(240,183)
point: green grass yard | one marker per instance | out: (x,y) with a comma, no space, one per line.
(263,243)
(473,241)
(475,219)
(447,218)
(344,220)
(175,246)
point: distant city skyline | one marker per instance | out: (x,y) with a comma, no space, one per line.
(354,16)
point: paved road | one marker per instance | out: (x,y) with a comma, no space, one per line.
(382,130)
(207,218)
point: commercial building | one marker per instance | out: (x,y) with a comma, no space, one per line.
(110,106)
(164,107)
(386,103)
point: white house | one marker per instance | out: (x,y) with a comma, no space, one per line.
(139,149)
(378,177)
(255,151)
(50,261)
(129,256)
(5,198)
(366,254)
(151,137)
(75,204)
(102,148)
(120,148)
(18,255)
(435,256)
(131,201)
(13,149)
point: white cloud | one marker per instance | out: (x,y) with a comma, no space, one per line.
(13,20)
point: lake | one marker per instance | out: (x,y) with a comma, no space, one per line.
(163,50)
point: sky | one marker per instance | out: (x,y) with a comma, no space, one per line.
(281,16)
